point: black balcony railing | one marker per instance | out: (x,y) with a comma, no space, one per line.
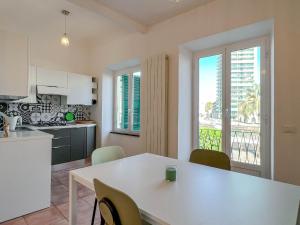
(245,144)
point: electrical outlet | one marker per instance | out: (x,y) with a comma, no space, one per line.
(289,129)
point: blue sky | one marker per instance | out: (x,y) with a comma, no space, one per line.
(208,75)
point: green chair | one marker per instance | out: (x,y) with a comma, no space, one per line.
(211,158)
(102,155)
(116,207)
(106,154)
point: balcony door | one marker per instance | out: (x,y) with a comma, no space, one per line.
(232,105)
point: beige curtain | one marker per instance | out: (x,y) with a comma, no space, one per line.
(155,76)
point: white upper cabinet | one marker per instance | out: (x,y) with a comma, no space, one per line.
(14,64)
(31,87)
(80,87)
(77,87)
(52,78)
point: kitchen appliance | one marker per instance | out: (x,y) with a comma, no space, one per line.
(12,121)
(52,90)
(9,98)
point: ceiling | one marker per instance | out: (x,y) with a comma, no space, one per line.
(44,18)
(89,19)
(149,12)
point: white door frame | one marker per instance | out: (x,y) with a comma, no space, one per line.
(265,81)
(265,124)
(206,53)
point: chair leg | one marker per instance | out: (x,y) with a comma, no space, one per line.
(102,222)
(94,211)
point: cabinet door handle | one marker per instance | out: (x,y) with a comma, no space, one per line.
(60,146)
(55,86)
(56,138)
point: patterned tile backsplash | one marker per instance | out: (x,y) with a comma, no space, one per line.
(47,109)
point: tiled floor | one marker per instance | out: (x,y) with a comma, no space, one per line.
(57,214)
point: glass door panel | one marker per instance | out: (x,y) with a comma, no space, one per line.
(245,105)
(233,111)
(122,102)
(210,102)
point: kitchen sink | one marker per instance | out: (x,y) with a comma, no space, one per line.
(23,129)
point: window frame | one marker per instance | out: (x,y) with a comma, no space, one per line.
(129,72)
(266,116)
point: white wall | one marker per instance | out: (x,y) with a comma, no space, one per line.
(287,95)
(106,114)
(215,17)
(49,53)
(185,100)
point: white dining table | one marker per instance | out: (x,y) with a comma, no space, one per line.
(201,195)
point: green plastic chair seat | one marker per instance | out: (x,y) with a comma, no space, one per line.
(106,154)
(102,155)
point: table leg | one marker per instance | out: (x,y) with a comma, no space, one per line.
(72,200)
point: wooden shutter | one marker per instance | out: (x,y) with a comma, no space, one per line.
(124,90)
(136,104)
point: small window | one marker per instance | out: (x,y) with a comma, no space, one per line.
(127,101)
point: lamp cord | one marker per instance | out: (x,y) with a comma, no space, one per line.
(65,24)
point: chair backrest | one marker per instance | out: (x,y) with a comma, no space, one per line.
(106,154)
(211,158)
(120,206)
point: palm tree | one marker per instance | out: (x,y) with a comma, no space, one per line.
(251,105)
(208,108)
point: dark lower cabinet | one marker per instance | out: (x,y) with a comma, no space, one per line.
(90,140)
(78,143)
(60,154)
(61,151)
(61,141)
(71,144)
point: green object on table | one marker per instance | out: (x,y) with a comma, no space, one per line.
(171,173)
(69,116)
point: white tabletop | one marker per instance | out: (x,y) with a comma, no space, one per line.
(200,196)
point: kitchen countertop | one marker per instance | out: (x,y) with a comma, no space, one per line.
(60,127)
(35,132)
(24,135)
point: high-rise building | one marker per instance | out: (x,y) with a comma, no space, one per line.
(217,106)
(243,72)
